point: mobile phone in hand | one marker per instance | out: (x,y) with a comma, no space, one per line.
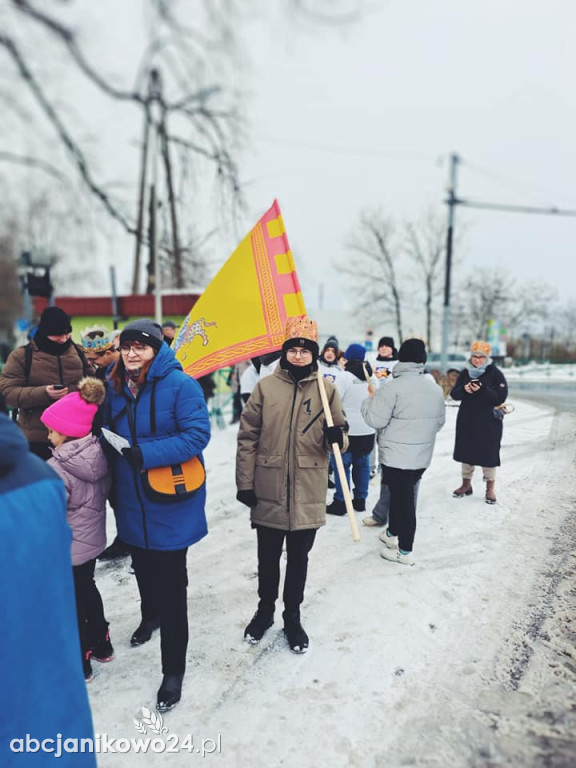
(58,386)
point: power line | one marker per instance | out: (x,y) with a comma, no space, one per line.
(553,211)
(342,149)
(508,181)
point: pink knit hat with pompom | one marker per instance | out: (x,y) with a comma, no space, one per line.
(73,415)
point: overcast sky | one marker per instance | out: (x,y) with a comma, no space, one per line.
(368,117)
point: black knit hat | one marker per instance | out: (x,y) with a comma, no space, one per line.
(145,331)
(386,341)
(301,342)
(412,351)
(54,322)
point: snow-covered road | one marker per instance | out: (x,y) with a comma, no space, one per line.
(467,659)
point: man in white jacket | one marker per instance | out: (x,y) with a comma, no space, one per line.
(408,411)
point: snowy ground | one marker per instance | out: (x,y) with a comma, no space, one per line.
(466,659)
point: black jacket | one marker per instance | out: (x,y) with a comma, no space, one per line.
(478,432)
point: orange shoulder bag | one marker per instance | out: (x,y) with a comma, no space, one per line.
(175,482)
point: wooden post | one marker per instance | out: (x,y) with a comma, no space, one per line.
(339,463)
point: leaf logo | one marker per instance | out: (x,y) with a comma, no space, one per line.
(140,727)
(154,721)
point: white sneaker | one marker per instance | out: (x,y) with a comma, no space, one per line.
(372,522)
(390,541)
(395,556)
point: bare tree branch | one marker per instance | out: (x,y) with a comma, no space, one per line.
(33,162)
(64,135)
(66,36)
(374,275)
(424,242)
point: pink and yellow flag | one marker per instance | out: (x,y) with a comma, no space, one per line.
(243,311)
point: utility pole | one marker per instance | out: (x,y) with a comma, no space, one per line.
(177,258)
(142,188)
(153,285)
(452,202)
(154,144)
(114,296)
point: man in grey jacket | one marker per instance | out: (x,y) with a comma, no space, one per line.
(408,411)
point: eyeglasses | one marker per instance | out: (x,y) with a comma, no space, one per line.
(136,347)
(298,352)
(479,357)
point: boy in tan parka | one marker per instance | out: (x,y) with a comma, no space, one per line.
(282,474)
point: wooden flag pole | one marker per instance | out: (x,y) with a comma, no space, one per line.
(339,463)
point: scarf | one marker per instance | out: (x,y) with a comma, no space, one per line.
(51,347)
(476,371)
(131,379)
(326,363)
(298,372)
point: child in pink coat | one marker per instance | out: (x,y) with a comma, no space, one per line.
(79,460)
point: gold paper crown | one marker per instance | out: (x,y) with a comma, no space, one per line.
(481,347)
(301,328)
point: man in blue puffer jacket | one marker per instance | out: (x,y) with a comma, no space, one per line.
(43,686)
(161,412)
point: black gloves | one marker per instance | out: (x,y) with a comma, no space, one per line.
(133,456)
(247,497)
(333,435)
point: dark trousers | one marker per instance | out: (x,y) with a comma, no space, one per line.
(42,450)
(298,545)
(162,580)
(92,624)
(236,407)
(402,521)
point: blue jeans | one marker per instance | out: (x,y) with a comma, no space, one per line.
(360,475)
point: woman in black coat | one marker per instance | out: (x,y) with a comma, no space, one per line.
(481,386)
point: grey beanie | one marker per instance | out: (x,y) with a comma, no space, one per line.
(145,331)
(332,343)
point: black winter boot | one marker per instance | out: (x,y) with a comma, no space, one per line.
(144,631)
(336,508)
(88,674)
(294,631)
(261,621)
(103,650)
(359,505)
(169,693)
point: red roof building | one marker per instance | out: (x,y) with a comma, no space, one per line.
(141,305)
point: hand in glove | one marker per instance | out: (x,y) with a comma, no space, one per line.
(133,456)
(333,435)
(247,497)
